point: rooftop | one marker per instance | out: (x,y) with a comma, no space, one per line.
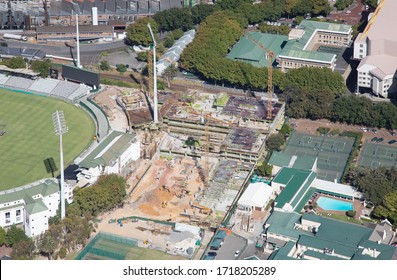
(108,150)
(297,48)
(256,194)
(383,22)
(42,187)
(246,50)
(295,189)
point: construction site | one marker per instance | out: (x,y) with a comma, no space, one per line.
(202,151)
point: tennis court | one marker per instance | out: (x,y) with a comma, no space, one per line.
(106,246)
(332,152)
(378,155)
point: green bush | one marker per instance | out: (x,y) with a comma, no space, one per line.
(104,65)
(351,213)
(323,130)
(121,68)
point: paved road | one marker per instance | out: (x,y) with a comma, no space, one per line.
(89,53)
(102,122)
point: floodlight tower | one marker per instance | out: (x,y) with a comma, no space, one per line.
(153,46)
(58,119)
(77,11)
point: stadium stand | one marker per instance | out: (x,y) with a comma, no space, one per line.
(44,85)
(51,87)
(19,83)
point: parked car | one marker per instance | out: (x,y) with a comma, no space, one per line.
(379,140)
(214,254)
(374,139)
(236,253)
(392,142)
(392,133)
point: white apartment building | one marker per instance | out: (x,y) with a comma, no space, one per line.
(376,47)
(32,205)
(114,155)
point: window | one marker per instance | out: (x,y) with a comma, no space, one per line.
(8,217)
(18,212)
(361,45)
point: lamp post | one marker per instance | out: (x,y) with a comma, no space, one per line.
(155,113)
(58,120)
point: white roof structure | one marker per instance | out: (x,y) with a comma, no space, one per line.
(172,55)
(184,227)
(256,195)
(336,188)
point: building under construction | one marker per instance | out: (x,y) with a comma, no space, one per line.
(236,128)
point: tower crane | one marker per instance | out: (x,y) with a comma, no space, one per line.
(270,55)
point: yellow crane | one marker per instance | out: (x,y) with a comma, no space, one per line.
(270,55)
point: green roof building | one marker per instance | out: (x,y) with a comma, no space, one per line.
(315,237)
(111,156)
(314,44)
(281,159)
(32,205)
(246,50)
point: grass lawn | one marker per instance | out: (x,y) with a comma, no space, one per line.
(30,137)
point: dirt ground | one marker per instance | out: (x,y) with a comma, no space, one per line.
(107,101)
(310,127)
(149,197)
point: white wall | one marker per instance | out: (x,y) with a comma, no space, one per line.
(360,48)
(13,218)
(37,223)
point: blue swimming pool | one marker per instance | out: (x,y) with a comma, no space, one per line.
(334,205)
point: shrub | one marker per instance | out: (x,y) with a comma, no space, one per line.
(351,213)
(323,130)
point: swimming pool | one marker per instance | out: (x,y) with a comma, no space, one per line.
(334,205)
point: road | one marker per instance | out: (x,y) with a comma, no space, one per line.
(88,52)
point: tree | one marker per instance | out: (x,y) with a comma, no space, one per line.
(121,68)
(316,79)
(107,193)
(104,65)
(15,235)
(169,73)
(142,56)
(169,41)
(174,18)
(41,66)
(14,63)
(2,236)
(138,32)
(48,244)
(388,208)
(23,250)
(274,142)
(264,169)
(321,7)
(177,33)
(290,5)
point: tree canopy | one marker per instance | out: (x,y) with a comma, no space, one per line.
(107,193)
(138,32)
(380,187)
(41,66)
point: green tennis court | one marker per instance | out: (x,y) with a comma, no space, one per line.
(106,246)
(378,155)
(332,152)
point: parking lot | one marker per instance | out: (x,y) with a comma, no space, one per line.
(230,245)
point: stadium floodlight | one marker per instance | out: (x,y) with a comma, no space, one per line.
(155,113)
(58,120)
